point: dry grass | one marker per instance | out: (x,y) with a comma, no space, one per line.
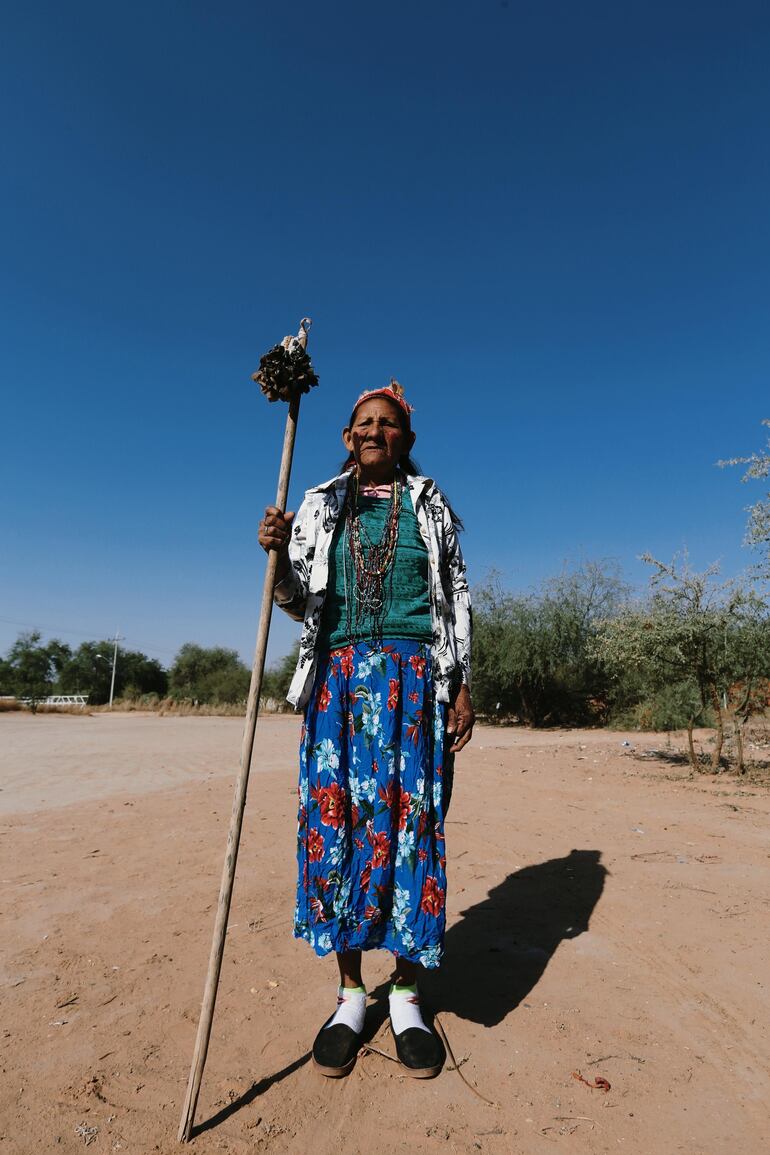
(12,704)
(169,707)
(79,710)
(164,707)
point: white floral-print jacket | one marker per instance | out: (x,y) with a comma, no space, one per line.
(303,592)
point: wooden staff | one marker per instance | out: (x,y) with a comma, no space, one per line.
(289,383)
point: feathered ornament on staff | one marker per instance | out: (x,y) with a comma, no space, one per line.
(284,373)
(285,370)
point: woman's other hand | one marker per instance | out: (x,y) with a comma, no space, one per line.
(275,529)
(461,719)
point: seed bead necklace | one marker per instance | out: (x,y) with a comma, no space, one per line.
(371,561)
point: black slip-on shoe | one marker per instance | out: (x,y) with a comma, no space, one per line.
(335,1049)
(421,1053)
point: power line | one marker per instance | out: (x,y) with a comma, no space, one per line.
(93,635)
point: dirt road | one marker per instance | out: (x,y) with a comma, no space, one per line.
(607,916)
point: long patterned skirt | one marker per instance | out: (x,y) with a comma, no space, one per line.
(373,788)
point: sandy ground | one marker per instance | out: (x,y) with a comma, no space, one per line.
(607,916)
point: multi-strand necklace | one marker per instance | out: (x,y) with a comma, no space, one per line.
(371,562)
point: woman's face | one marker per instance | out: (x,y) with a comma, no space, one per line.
(377,440)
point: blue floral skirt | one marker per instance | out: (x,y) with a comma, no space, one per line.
(372,794)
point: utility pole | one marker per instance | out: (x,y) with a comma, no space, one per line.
(114,665)
(118,638)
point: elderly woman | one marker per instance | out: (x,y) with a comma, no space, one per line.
(371,564)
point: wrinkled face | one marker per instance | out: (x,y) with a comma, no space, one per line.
(377,439)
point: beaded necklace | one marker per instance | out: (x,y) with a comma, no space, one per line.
(371,561)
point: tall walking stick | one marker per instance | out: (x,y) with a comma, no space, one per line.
(284,372)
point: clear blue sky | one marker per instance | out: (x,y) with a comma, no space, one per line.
(548,220)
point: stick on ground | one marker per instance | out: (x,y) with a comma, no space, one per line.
(239,801)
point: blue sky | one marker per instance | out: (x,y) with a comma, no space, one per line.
(548,220)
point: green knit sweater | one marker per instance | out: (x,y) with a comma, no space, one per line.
(407,606)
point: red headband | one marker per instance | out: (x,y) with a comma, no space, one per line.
(392,392)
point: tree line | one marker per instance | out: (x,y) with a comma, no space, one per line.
(34,670)
(584,651)
(580,650)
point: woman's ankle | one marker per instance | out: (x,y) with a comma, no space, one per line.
(349,964)
(404,975)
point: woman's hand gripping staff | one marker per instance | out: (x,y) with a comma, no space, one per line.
(275,534)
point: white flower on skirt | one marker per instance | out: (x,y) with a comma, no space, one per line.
(431,956)
(342,897)
(401,907)
(405,845)
(372,709)
(328,758)
(408,939)
(336,850)
(361,788)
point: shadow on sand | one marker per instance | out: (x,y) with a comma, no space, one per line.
(500,947)
(495,954)
(254,1091)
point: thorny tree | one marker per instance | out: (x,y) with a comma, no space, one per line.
(696,631)
(758,529)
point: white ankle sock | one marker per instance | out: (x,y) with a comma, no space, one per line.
(405,1009)
(351,1009)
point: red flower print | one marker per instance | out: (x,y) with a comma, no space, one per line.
(317,908)
(404,802)
(418,664)
(413,731)
(388,794)
(392,693)
(346,662)
(414,697)
(422,824)
(442,862)
(433,897)
(331,799)
(324,698)
(373,913)
(354,815)
(315,845)
(422,855)
(359,843)
(366,874)
(380,850)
